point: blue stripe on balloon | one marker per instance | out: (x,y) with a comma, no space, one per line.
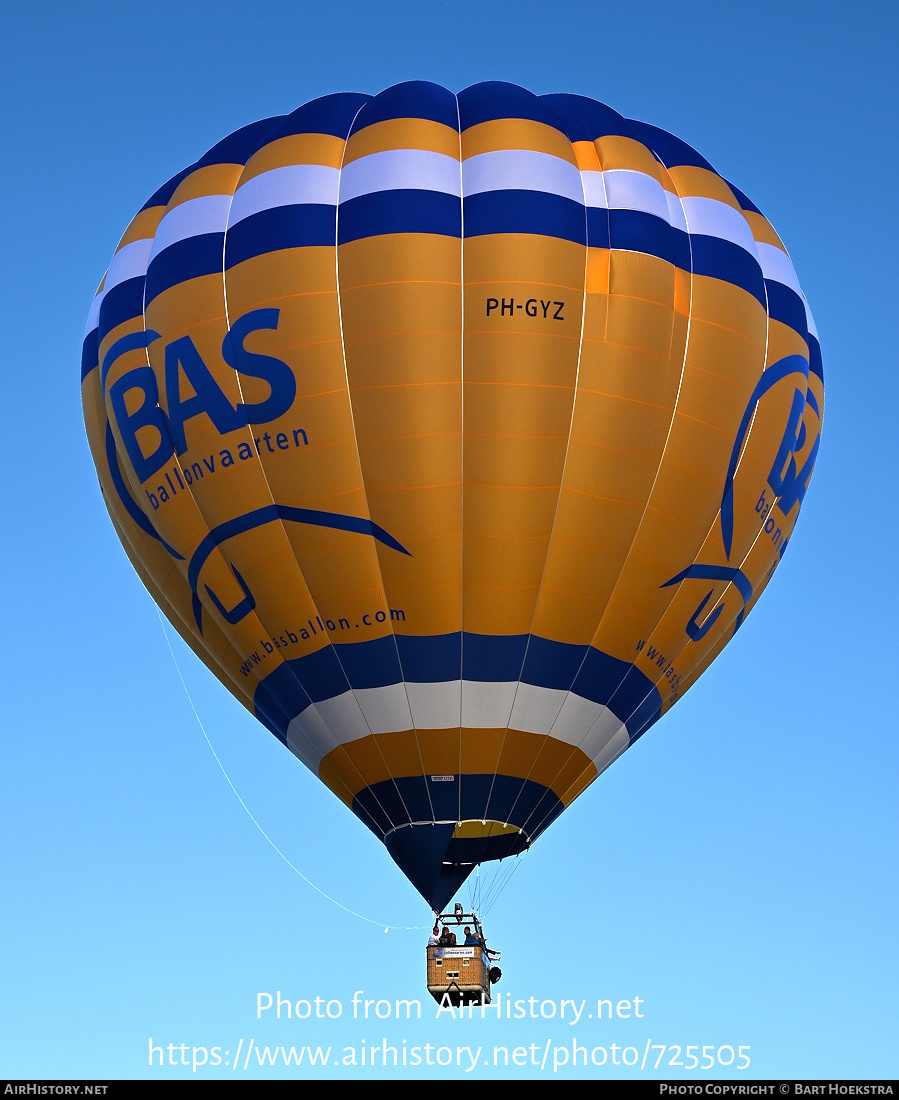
(670,150)
(517,211)
(279,698)
(90,353)
(543,814)
(785,305)
(272,720)
(430,660)
(399,211)
(744,202)
(586,119)
(496,99)
(237,148)
(586,671)
(622,687)
(270,711)
(637,231)
(681,245)
(436,212)
(405,800)
(720,259)
(330,114)
(298,226)
(370,664)
(511,800)
(122,303)
(162,195)
(492,658)
(411,99)
(402,800)
(550,664)
(187,259)
(597,227)
(320,674)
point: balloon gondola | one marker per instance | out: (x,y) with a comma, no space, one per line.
(457,435)
(461,967)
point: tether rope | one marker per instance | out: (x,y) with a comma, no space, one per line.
(249,813)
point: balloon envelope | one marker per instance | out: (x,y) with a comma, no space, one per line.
(457,434)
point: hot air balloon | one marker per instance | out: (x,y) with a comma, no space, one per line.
(457,434)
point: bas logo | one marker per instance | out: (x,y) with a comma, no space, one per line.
(787,482)
(182,357)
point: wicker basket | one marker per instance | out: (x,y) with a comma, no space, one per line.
(459,974)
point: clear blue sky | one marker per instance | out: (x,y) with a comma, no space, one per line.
(741,878)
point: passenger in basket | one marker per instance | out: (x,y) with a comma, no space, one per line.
(447,938)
